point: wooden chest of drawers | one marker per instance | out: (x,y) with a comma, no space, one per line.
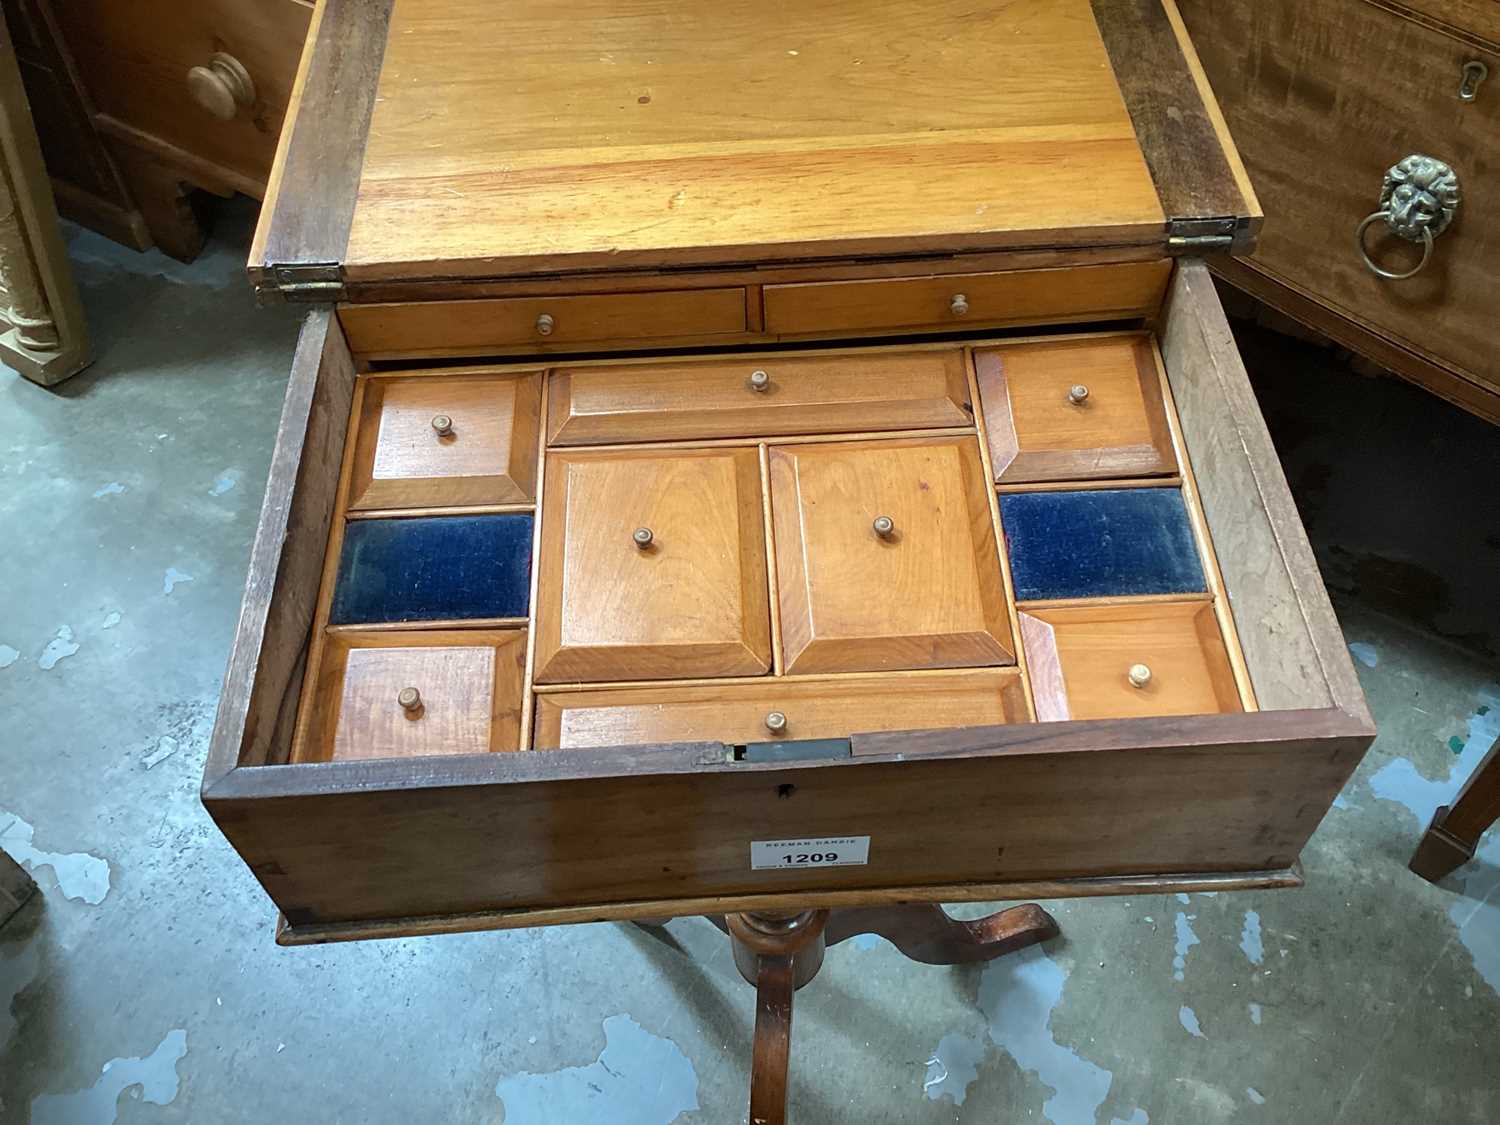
(667,480)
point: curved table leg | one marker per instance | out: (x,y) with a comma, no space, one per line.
(926,933)
(773,1041)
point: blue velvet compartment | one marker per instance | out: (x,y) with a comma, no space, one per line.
(1100,543)
(432,569)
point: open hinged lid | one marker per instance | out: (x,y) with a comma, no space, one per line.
(455,140)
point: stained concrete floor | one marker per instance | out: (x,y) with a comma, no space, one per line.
(143,985)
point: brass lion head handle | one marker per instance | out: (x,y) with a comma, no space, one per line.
(1418,202)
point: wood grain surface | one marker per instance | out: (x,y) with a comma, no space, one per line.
(1080,658)
(712,398)
(693,603)
(469,682)
(1037,433)
(929,595)
(814,708)
(488,457)
(1301,81)
(1108,292)
(665,134)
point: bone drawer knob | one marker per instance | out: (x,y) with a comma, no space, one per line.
(1078,394)
(1140,675)
(884,526)
(642,537)
(442,425)
(959,306)
(223,87)
(545,324)
(759,381)
(411,701)
(776,722)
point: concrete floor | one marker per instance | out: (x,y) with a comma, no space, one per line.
(143,985)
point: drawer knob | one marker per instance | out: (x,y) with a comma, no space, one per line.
(442,425)
(959,306)
(223,87)
(1418,201)
(776,722)
(642,537)
(1140,675)
(1078,394)
(545,324)
(884,526)
(411,701)
(759,381)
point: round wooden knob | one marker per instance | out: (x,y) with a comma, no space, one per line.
(884,526)
(442,425)
(642,537)
(1078,394)
(223,87)
(410,699)
(759,381)
(959,306)
(1140,675)
(776,722)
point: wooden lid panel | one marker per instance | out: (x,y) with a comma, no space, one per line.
(532,136)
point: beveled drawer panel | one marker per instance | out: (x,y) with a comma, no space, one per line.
(1109,292)
(1074,410)
(411,694)
(653,566)
(765,396)
(1127,659)
(886,557)
(772,710)
(442,441)
(541,323)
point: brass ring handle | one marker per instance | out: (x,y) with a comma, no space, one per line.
(1418,201)
(1376,268)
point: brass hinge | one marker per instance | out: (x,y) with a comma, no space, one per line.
(305,281)
(1199,236)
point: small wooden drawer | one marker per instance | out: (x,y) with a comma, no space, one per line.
(1074,410)
(859,594)
(1111,542)
(433,568)
(412,694)
(1127,659)
(446,441)
(774,710)
(542,323)
(1109,292)
(653,566)
(766,396)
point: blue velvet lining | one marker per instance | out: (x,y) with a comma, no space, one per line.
(433,568)
(1100,543)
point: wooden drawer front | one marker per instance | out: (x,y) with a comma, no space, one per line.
(1100,543)
(468,687)
(135,60)
(434,442)
(738,713)
(897,390)
(468,327)
(436,568)
(693,602)
(1074,410)
(1036,296)
(1349,89)
(1082,657)
(926,595)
